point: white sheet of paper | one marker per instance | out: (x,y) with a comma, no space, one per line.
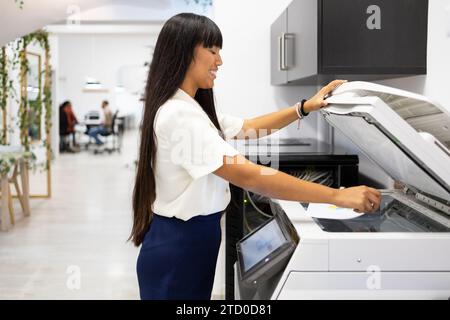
(330,211)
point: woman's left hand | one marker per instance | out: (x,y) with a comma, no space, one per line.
(318,100)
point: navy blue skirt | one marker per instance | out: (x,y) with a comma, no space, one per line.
(177,260)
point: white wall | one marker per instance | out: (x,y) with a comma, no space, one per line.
(112,59)
(243,85)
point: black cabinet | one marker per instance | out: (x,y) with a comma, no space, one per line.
(355,39)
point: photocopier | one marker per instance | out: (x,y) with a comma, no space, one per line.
(402,251)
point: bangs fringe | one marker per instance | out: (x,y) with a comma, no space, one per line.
(211,35)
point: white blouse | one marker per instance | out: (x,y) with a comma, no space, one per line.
(189,148)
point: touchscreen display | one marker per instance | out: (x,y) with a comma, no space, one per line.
(262,243)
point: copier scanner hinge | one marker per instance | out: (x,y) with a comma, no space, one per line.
(432,202)
(445,208)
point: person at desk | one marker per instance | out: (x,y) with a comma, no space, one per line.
(72,121)
(67,122)
(185,165)
(105,126)
(63,145)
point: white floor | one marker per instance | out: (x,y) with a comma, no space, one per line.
(74,245)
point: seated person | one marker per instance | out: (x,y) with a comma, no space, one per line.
(67,122)
(106,124)
(71,121)
(63,123)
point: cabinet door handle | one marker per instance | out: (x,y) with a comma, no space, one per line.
(289,39)
(280,53)
(283,52)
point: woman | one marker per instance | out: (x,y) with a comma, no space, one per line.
(63,124)
(72,121)
(185,164)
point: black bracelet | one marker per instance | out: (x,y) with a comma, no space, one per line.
(302,110)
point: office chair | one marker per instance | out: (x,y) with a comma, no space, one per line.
(116,134)
(91,120)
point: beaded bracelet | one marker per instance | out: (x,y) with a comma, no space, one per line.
(300,112)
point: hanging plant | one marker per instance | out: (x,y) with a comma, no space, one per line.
(48,102)
(3,93)
(18,61)
(7,90)
(45,100)
(19,3)
(23,104)
(204,3)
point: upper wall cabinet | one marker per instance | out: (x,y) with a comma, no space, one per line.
(314,41)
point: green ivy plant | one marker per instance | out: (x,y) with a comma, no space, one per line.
(9,159)
(23,106)
(7,90)
(202,2)
(40,37)
(19,3)
(3,92)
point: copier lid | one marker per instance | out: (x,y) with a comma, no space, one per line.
(405,134)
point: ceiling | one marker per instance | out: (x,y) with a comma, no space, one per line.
(35,14)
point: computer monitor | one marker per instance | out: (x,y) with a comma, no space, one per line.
(266,250)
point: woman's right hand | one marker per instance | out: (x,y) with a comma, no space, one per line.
(361,199)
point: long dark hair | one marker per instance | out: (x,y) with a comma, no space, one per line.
(172,56)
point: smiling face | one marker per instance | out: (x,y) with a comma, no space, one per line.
(203,68)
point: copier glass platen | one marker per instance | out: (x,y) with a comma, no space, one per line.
(403,250)
(397,213)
